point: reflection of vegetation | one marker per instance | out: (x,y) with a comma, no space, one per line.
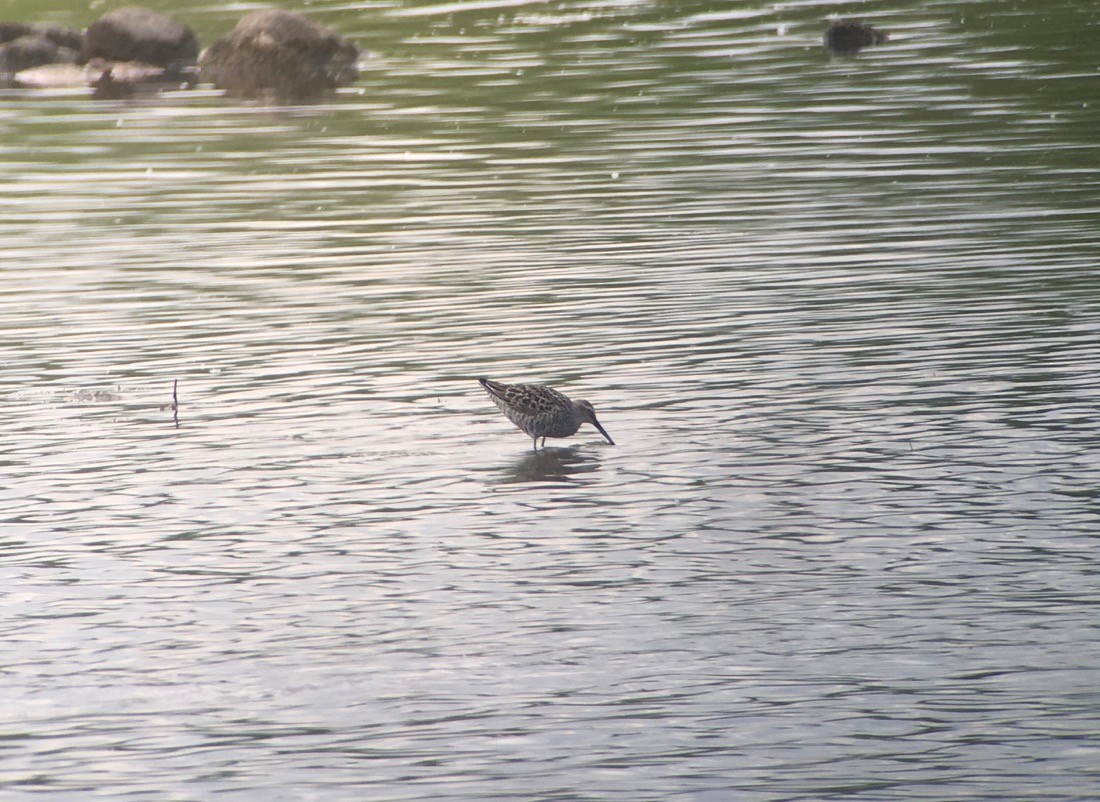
(554,121)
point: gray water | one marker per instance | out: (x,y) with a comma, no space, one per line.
(839,315)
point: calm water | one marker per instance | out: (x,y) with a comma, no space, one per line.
(840,316)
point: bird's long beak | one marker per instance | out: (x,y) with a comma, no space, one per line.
(596,423)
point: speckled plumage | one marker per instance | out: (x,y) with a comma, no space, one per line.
(541,411)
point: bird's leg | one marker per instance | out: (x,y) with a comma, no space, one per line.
(535,443)
(544,442)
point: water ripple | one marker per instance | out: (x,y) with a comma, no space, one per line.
(838,314)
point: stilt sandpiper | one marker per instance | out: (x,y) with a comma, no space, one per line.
(541,411)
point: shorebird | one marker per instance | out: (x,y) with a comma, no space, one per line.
(541,411)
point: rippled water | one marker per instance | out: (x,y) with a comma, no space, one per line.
(840,316)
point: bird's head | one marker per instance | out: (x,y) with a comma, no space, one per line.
(588,413)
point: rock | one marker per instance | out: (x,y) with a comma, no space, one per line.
(847,36)
(107,87)
(281,56)
(51,76)
(138,34)
(108,79)
(25,45)
(13,30)
(129,72)
(62,37)
(33,50)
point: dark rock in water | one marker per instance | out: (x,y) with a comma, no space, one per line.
(33,50)
(25,45)
(138,34)
(846,36)
(13,30)
(280,56)
(107,87)
(62,37)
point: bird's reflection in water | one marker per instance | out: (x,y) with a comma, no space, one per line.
(552,465)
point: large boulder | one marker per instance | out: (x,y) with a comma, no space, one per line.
(280,56)
(138,34)
(24,45)
(33,50)
(62,37)
(107,79)
(50,76)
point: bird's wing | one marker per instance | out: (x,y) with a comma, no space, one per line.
(531,400)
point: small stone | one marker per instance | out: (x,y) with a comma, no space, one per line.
(847,36)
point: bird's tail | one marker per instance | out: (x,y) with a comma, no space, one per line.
(492,387)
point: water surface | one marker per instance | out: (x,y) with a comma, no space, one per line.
(839,315)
